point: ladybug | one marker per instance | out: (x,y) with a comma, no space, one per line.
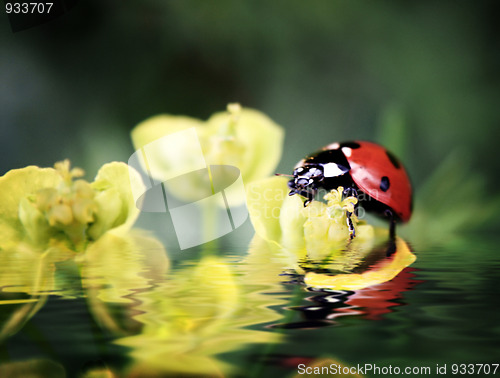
(366,170)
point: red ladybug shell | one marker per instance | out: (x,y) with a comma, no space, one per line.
(374,169)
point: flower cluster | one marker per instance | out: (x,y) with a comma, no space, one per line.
(54,209)
(317,231)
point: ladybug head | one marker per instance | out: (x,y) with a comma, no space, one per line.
(306,180)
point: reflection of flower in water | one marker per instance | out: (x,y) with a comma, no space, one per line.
(197,313)
(175,323)
(383,270)
(114,270)
(372,291)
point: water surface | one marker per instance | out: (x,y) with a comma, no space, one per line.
(247,317)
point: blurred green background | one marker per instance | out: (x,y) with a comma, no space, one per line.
(420,77)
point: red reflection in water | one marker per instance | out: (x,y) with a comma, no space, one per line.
(374,301)
(371,303)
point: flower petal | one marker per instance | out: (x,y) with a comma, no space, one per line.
(15,185)
(114,177)
(261,138)
(161,161)
(264,200)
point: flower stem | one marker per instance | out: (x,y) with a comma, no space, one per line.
(209,228)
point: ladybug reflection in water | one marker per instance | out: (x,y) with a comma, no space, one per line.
(366,170)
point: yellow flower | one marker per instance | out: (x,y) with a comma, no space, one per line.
(240,137)
(338,206)
(317,231)
(49,209)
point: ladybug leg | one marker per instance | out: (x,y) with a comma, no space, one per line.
(350,191)
(309,198)
(392,225)
(309,193)
(352,231)
(391,244)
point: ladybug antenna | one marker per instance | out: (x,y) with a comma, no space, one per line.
(283,174)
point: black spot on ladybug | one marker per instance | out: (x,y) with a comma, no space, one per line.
(394,160)
(385,184)
(352,145)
